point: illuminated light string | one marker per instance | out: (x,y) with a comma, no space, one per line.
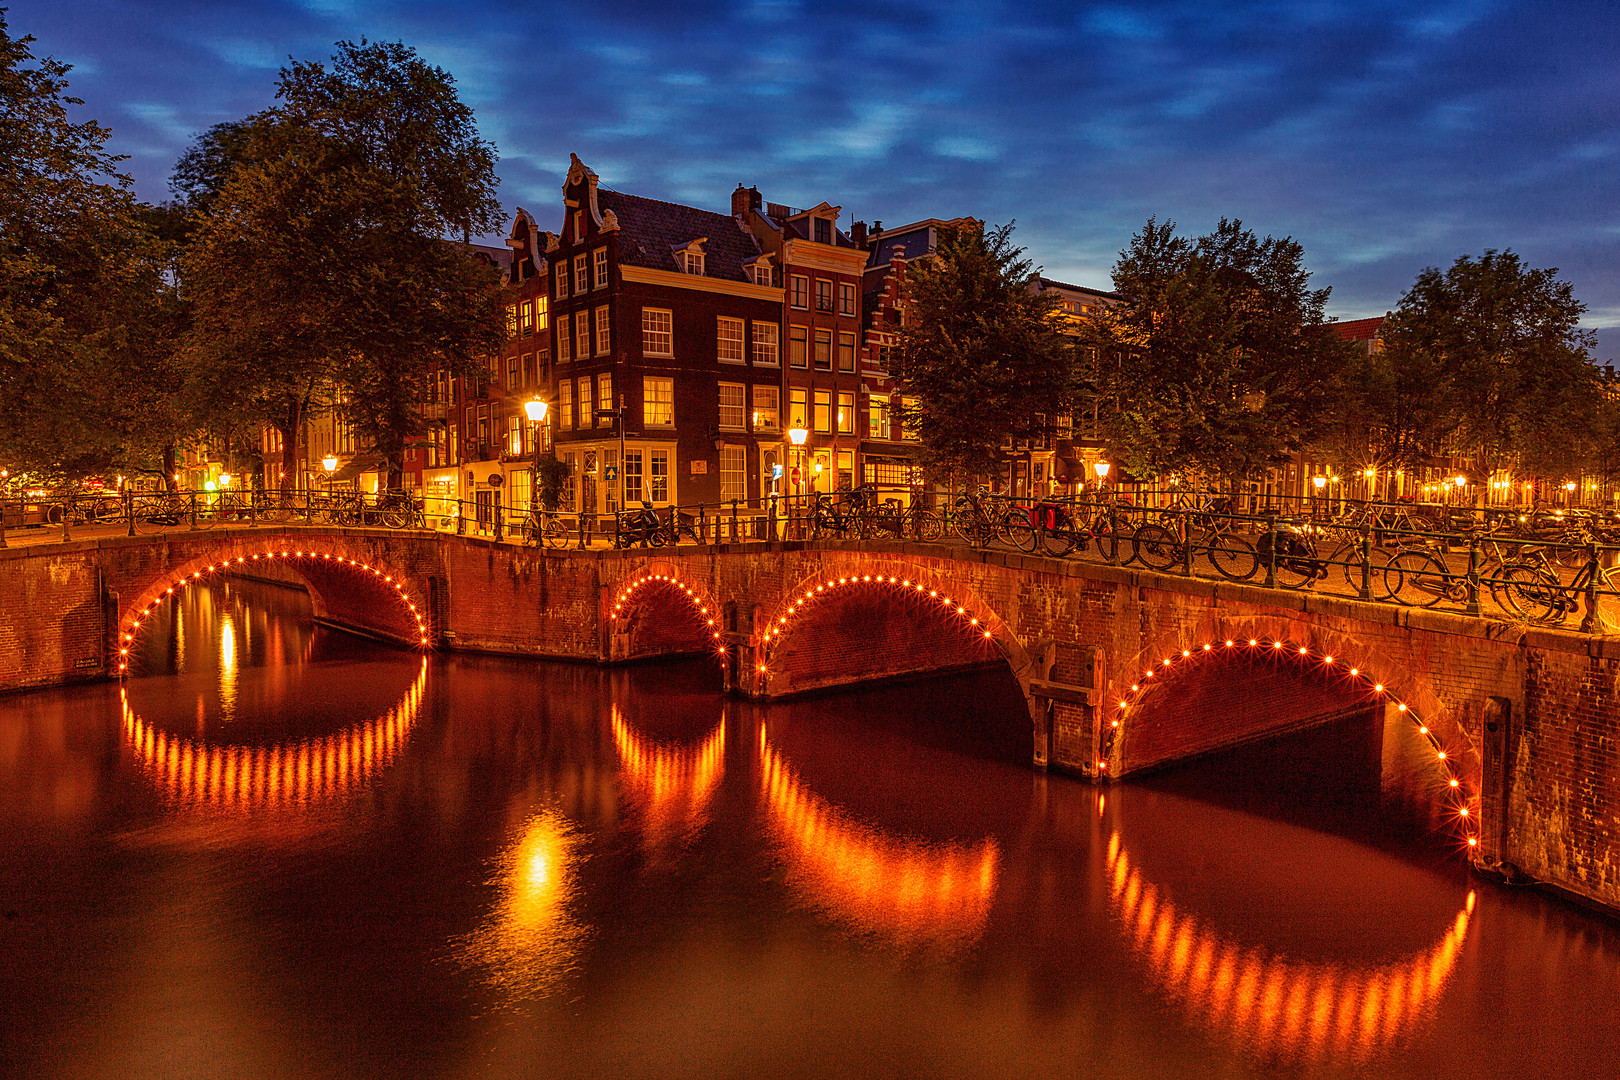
(780,624)
(196,577)
(1154,673)
(709,618)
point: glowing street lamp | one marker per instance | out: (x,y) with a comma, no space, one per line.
(1319,482)
(536,410)
(329,463)
(1101,468)
(797,436)
(225,479)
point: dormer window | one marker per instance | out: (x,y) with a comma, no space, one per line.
(690,262)
(760,273)
(823,231)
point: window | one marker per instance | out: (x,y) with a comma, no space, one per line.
(582,334)
(801,291)
(563,344)
(766,338)
(527,370)
(729,333)
(798,346)
(657,401)
(824,411)
(634,488)
(560,274)
(846,298)
(657,332)
(798,415)
(604,397)
(483,432)
(766,402)
(540,308)
(587,404)
(908,432)
(760,274)
(599,261)
(823,230)
(690,262)
(823,350)
(604,332)
(733,473)
(526,318)
(511,320)
(732,411)
(582,281)
(659,462)
(846,413)
(514,435)
(846,352)
(514,373)
(877,417)
(823,294)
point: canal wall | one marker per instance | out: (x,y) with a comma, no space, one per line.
(1524,719)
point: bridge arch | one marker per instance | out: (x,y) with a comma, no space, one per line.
(657,611)
(363,593)
(1331,660)
(878,612)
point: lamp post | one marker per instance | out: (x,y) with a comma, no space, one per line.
(797,436)
(535,410)
(1318,482)
(330,464)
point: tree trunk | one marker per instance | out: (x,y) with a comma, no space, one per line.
(288,429)
(170,464)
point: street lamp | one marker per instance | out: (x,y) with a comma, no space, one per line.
(224,479)
(1101,468)
(797,436)
(536,410)
(329,463)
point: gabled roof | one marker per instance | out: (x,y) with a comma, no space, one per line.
(1360,329)
(1052,283)
(650,230)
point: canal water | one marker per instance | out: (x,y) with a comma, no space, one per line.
(282,851)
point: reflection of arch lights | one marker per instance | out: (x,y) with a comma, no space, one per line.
(708,617)
(1377,691)
(911,891)
(1281,1008)
(178,584)
(195,773)
(782,623)
(676,783)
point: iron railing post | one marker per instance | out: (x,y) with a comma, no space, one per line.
(1113,534)
(1473,575)
(1366,560)
(129,513)
(1271,551)
(1186,543)
(1589,621)
(734,537)
(19,520)
(500,521)
(191,514)
(67,517)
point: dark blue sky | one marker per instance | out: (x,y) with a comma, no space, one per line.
(1385,136)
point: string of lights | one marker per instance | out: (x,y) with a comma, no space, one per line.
(1156,673)
(706,609)
(177,586)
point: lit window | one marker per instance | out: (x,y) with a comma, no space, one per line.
(634,488)
(733,473)
(604,397)
(732,411)
(824,411)
(766,402)
(729,333)
(846,352)
(657,332)
(540,308)
(877,417)
(564,346)
(658,475)
(766,339)
(565,404)
(824,350)
(582,334)
(801,291)
(599,259)
(657,401)
(798,413)
(908,432)
(798,346)
(846,414)
(846,298)
(604,332)
(587,404)
(582,281)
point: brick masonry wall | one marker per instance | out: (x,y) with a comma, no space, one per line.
(1045,619)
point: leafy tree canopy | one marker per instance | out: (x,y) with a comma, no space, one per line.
(983,353)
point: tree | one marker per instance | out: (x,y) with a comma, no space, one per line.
(321,261)
(87,315)
(1220,358)
(982,353)
(1492,350)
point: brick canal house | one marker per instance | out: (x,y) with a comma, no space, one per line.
(669,317)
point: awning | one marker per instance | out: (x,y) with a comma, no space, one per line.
(358,464)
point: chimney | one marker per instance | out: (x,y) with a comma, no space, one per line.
(744,200)
(857,234)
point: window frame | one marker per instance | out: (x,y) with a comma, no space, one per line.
(599,268)
(565,344)
(774,357)
(821,411)
(587,401)
(845,417)
(604,331)
(821,354)
(582,274)
(667,331)
(773,411)
(721,324)
(565,404)
(739,409)
(799,296)
(846,352)
(846,299)
(823,294)
(665,398)
(582,334)
(738,488)
(799,336)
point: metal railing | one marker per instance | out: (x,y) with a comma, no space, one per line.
(1550,568)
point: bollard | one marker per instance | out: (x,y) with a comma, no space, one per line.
(1589,621)
(129,514)
(1271,553)
(1366,560)
(1473,576)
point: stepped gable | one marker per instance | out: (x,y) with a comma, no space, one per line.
(650,230)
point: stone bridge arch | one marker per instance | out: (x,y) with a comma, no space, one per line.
(861,616)
(347,584)
(656,610)
(1186,694)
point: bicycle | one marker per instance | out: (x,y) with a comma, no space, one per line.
(400,510)
(1537,594)
(971,518)
(1199,532)
(544,527)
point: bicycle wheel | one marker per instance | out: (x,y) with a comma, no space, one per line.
(1416,577)
(1155,547)
(1530,592)
(396,516)
(1233,557)
(1014,530)
(927,526)
(555,532)
(969,527)
(1060,541)
(532,532)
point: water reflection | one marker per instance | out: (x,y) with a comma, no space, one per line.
(532,937)
(909,892)
(198,772)
(1271,1005)
(669,786)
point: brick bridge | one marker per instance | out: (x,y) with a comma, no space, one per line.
(1507,733)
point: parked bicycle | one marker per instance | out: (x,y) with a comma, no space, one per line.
(544,527)
(1202,532)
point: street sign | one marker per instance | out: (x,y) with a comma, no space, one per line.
(776,472)
(612,473)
